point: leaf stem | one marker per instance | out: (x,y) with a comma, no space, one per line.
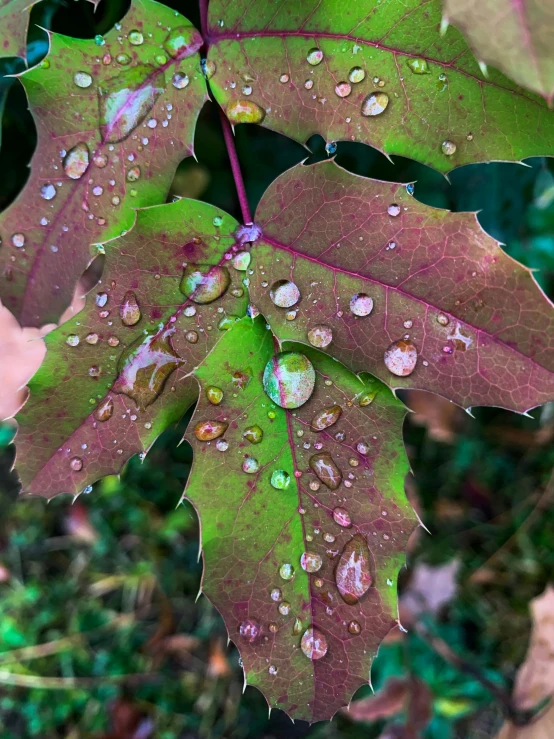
(235,166)
(204,19)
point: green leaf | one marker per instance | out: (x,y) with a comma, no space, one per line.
(115,116)
(420,297)
(262,507)
(513,36)
(292,66)
(119,373)
(14,22)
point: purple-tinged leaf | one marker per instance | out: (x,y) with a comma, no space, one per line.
(420,297)
(114,118)
(281,541)
(375,72)
(119,373)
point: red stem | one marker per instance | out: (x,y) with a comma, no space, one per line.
(235,166)
(204,19)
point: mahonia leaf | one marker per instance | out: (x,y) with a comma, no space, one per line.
(516,37)
(303,515)
(119,373)
(374,72)
(115,116)
(14,22)
(420,297)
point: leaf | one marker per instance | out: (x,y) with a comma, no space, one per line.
(14,22)
(472,319)
(513,36)
(102,151)
(398,694)
(119,373)
(293,61)
(262,507)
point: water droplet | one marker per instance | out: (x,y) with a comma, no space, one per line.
(210,430)
(375,104)
(76,161)
(94,371)
(48,191)
(133,174)
(418,66)
(342,517)
(361,304)
(276,595)
(354,628)
(245,111)
(326,470)
(104,411)
(353,576)
(272,670)
(123,59)
(99,40)
(241,261)
(443,320)
(309,84)
(183,41)
(314,57)
(289,379)
(393,210)
(314,644)
(250,466)
(191,337)
(82,79)
(284,293)
(129,310)
(136,38)
(280,479)
(297,626)
(343,89)
(311,562)
(448,148)
(145,366)
(221,445)
(72,340)
(250,630)
(356,74)
(247,90)
(189,311)
(203,283)
(208,68)
(283,79)
(401,358)
(238,292)
(320,336)
(253,434)
(113,341)
(408,324)
(367,398)
(100,160)
(286,571)
(92,339)
(76,464)
(362,447)
(325,418)
(18,240)
(45,64)
(180,80)
(214,394)
(126,100)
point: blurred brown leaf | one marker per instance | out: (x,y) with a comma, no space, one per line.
(429,589)
(78,525)
(218,664)
(443,419)
(128,721)
(541,728)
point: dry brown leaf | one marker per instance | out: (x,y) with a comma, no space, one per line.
(541,728)
(442,418)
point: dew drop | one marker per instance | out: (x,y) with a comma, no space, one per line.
(443,320)
(393,210)
(210,430)
(92,339)
(367,398)
(123,59)
(289,379)
(309,84)
(247,90)
(136,38)
(203,283)
(362,448)
(448,148)
(18,240)
(310,562)
(418,66)
(104,411)
(214,394)
(361,304)
(283,79)
(313,644)
(356,74)
(280,479)
(284,608)
(272,670)
(209,68)
(245,111)
(353,576)
(375,104)
(320,336)
(48,191)
(221,445)
(191,337)
(82,79)
(284,293)
(76,161)
(326,470)
(129,310)
(343,89)
(133,174)
(250,466)
(76,464)
(250,630)
(354,628)
(325,418)
(189,311)
(342,517)
(241,261)
(276,595)
(180,80)
(254,434)
(286,571)
(314,57)
(297,626)
(401,358)
(72,340)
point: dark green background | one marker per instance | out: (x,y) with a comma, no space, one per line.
(475,494)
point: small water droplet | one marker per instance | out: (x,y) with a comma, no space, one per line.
(82,79)
(283,79)
(244,111)
(284,608)
(361,304)
(320,336)
(18,240)
(326,470)
(356,74)
(191,337)
(189,311)
(133,174)
(276,595)
(354,628)
(214,394)
(313,644)
(104,411)
(401,358)
(448,148)
(250,466)
(309,84)
(284,293)
(247,90)
(129,310)
(222,445)
(311,562)
(250,630)
(254,434)
(92,339)
(48,191)
(99,40)
(297,626)
(289,379)
(443,320)
(353,576)
(325,418)
(314,57)
(136,38)
(76,161)
(241,261)
(123,59)
(76,464)
(210,430)
(418,66)
(180,80)
(286,571)
(343,89)
(203,283)
(272,670)
(342,517)
(280,479)
(393,210)
(72,340)
(362,447)
(375,104)
(101,299)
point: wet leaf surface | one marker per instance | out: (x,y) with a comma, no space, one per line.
(420,297)
(114,117)
(378,73)
(273,550)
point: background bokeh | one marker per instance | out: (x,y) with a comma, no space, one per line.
(100,631)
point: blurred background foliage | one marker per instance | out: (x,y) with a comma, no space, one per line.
(101,634)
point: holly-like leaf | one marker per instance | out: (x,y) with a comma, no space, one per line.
(420,297)
(375,72)
(114,118)
(303,515)
(14,22)
(119,373)
(516,37)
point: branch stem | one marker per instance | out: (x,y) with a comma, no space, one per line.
(204,20)
(235,166)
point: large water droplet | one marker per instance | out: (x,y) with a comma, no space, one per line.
(314,57)
(342,517)
(82,79)
(314,644)
(280,479)
(375,104)
(284,293)
(209,430)
(361,304)
(250,466)
(418,66)
(76,161)
(183,41)
(104,411)
(401,358)
(129,310)
(250,630)
(145,366)
(353,576)
(125,101)
(245,111)
(136,38)
(311,562)
(289,379)
(203,283)
(254,434)
(326,470)
(448,148)
(325,418)
(214,394)
(356,74)
(180,80)
(320,336)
